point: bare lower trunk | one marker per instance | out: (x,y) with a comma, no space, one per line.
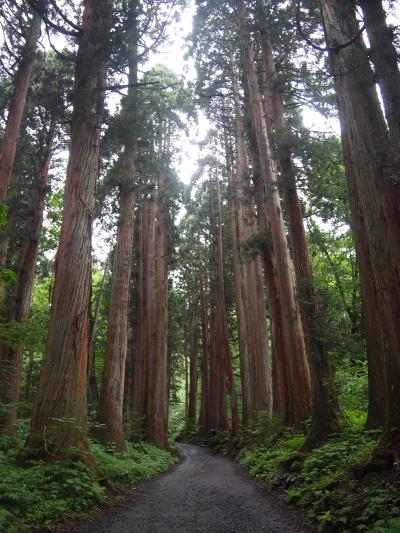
(296,367)
(192,408)
(260,372)
(280,402)
(59,420)
(325,409)
(204,418)
(221,337)
(218,414)
(375,343)
(157,421)
(112,389)
(139,378)
(8,144)
(385,60)
(11,359)
(365,138)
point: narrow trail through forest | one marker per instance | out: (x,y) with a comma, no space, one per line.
(203,493)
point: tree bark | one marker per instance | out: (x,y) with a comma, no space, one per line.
(296,367)
(8,144)
(110,413)
(192,408)
(375,343)
(385,60)
(11,359)
(280,402)
(325,409)
(221,329)
(157,421)
(145,308)
(365,138)
(59,420)
(204,418)
(256,373)
(218,414)
(112,391)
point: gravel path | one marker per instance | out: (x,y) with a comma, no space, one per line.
(204,493)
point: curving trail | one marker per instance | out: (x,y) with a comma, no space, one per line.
(204,493)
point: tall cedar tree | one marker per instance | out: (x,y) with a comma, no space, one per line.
(11,358)
(110,413)
(157,400)
(193,356)
(299,392)
(8,144)
(255,368)
(369,162)
(204,416)
(325,409)
(59,419)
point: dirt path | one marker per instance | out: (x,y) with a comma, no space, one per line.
(204,493)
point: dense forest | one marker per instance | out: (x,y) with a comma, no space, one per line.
(252,306)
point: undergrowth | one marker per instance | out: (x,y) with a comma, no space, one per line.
(42,494)
(323,481)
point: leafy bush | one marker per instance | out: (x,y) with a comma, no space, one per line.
(44,493)
(264,461)
(139,462)
(351,380)
(323,482)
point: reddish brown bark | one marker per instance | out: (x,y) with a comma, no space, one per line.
(221,324)
(110,412)
(260,365)
(144,338)
(366,141)
(255,368)
(296,367)
(59,420)
(157,411)
(204,418)
(218,413)
(280,402)
(192,407)
(8,144)
(112,390)
(375,344)
(325,409)
(11,359)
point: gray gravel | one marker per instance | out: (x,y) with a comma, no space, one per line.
(204,493)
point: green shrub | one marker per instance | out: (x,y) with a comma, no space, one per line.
(43,493)
(323,482)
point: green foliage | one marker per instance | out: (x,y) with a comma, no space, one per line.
(322,481)
(43,494)
(3,214)
(264,461)
(351,380)
(139,462)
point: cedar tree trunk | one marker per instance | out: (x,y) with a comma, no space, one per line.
(59,420)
